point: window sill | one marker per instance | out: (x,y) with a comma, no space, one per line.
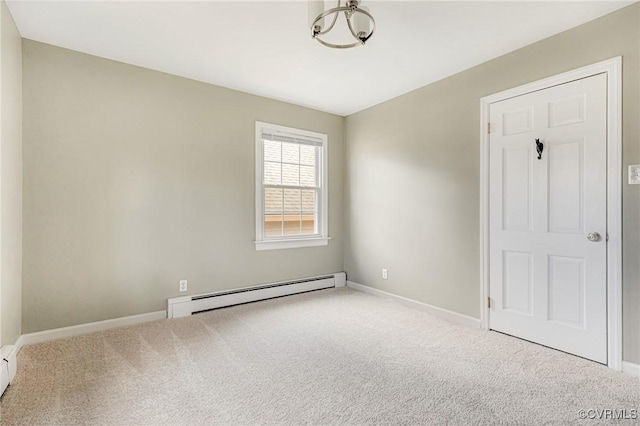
(292,243)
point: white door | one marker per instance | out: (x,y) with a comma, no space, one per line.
(548,217)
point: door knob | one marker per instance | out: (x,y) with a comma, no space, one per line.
(593,236)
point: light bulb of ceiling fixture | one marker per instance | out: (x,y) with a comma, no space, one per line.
(315,8)
(362,23)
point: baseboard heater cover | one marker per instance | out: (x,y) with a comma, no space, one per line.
(188,305)
(8,366)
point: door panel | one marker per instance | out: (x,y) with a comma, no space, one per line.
(516,189)
(563,112)
(566,291)
(547,280)
(566,185)
(518,121)
(517,275)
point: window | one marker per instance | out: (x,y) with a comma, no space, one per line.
(291,187)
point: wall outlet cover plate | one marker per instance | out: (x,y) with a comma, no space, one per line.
(634,174)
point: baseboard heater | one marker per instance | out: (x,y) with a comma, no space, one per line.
(8,366)
(188,305)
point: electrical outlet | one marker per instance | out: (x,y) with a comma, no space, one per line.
(634,174)
(384,273)
(183,285)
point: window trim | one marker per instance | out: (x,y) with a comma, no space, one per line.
(322,237)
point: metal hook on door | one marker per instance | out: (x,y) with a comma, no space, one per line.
(539,148)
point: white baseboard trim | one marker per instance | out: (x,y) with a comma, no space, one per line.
(19,344)
(75,330)
(433,310)
(631,368)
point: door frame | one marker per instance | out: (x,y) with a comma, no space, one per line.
(613,69)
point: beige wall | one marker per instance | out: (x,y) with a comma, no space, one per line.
(10,179)
(412,173)
(135,179)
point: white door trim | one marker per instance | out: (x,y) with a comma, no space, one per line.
(613,69)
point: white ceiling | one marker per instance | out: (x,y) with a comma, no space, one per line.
(265,47)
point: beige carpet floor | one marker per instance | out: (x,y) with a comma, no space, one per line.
(329,357)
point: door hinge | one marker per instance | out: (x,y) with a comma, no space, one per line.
(489,128)
(488,302)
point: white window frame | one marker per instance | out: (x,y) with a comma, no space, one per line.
(297,241)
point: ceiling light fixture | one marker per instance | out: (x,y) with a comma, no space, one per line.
(359,21)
